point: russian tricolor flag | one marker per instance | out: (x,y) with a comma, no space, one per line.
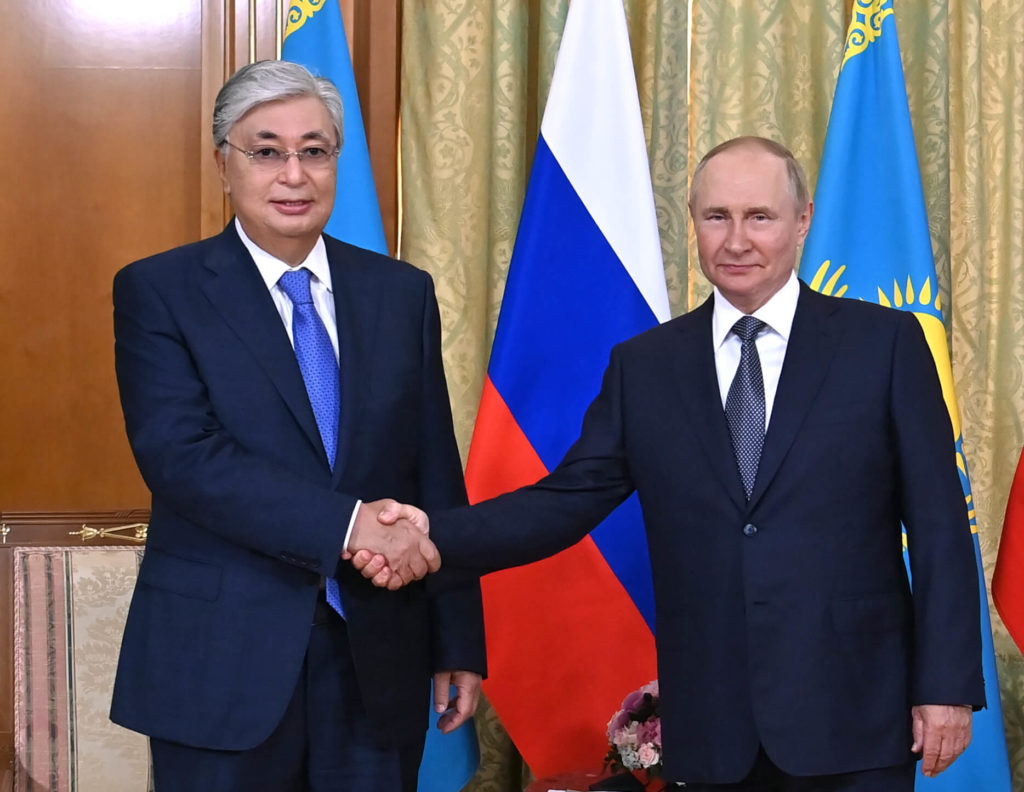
(568,637)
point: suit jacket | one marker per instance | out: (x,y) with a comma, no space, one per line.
(787,620)
(247,515)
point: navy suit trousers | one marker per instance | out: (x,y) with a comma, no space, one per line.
(323,743)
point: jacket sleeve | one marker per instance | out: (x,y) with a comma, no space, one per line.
(947,641)
(543,519)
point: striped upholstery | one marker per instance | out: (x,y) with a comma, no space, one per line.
(69,610)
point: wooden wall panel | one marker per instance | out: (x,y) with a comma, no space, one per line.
(108,108)
(98,102)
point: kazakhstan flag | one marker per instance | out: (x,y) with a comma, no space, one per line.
(870,241)
(315,37)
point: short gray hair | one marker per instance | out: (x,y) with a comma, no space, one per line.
(795,172)
(271,81)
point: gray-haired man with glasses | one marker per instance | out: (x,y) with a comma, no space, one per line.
(276,382)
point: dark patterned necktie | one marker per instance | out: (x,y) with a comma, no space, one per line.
(744,406)
(315,353)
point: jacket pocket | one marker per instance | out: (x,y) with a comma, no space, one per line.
(872,613)
(182,576)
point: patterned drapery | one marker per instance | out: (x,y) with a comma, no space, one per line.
(474,82)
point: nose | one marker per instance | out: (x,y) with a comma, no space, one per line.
(292,171)
(737,239)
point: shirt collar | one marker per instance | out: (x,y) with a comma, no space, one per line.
(272,268)
(777,313)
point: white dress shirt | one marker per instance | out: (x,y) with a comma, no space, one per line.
(777,314)
(271,269)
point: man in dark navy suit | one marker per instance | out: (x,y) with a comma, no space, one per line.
(778,439)
(274,382)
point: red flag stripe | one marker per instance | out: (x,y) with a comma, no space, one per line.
(1008,579)
(564,665)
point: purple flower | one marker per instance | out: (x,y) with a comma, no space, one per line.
(619,719)
(633,701)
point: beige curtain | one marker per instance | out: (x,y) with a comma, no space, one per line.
(474,81)
(986,244)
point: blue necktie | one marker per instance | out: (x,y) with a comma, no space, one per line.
(319,368)
(744,406)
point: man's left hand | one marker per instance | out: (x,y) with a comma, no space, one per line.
(456,711)
(941,733)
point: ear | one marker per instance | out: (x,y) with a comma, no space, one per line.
(222,164)
(804,222)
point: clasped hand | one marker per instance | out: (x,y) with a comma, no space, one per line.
(390,544)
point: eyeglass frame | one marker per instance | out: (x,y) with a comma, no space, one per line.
(300,155)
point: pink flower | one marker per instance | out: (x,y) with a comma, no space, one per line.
(648,755)
(625,737)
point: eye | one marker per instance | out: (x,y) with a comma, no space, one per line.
(266,154)
(314,153)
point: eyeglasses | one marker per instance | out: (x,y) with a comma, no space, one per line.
(270,158)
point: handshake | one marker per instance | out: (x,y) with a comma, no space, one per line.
(390,544)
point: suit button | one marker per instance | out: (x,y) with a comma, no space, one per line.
(749,529)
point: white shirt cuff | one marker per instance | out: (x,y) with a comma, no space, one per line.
(351,525)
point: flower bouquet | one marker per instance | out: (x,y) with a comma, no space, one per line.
(634,737)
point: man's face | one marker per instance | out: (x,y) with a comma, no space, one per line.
(748,228)
(282,209)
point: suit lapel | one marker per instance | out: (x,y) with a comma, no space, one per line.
(357,310)
(237,292)
(697,382)
(808,355)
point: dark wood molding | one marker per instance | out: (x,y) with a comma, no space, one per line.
(376,58)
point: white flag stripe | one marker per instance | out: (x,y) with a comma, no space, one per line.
(592,125)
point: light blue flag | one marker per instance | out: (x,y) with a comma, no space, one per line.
(870,240)
(315,37)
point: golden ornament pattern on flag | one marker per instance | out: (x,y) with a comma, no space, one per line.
(866,19)
(300,12)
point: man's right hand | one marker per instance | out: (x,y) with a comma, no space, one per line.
(390,544)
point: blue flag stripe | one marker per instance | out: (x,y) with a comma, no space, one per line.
(623,543)
(570,302)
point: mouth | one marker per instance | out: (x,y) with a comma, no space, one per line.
(292,206)
(736,266)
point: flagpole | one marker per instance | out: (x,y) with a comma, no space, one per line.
(252,31)
(278,28)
